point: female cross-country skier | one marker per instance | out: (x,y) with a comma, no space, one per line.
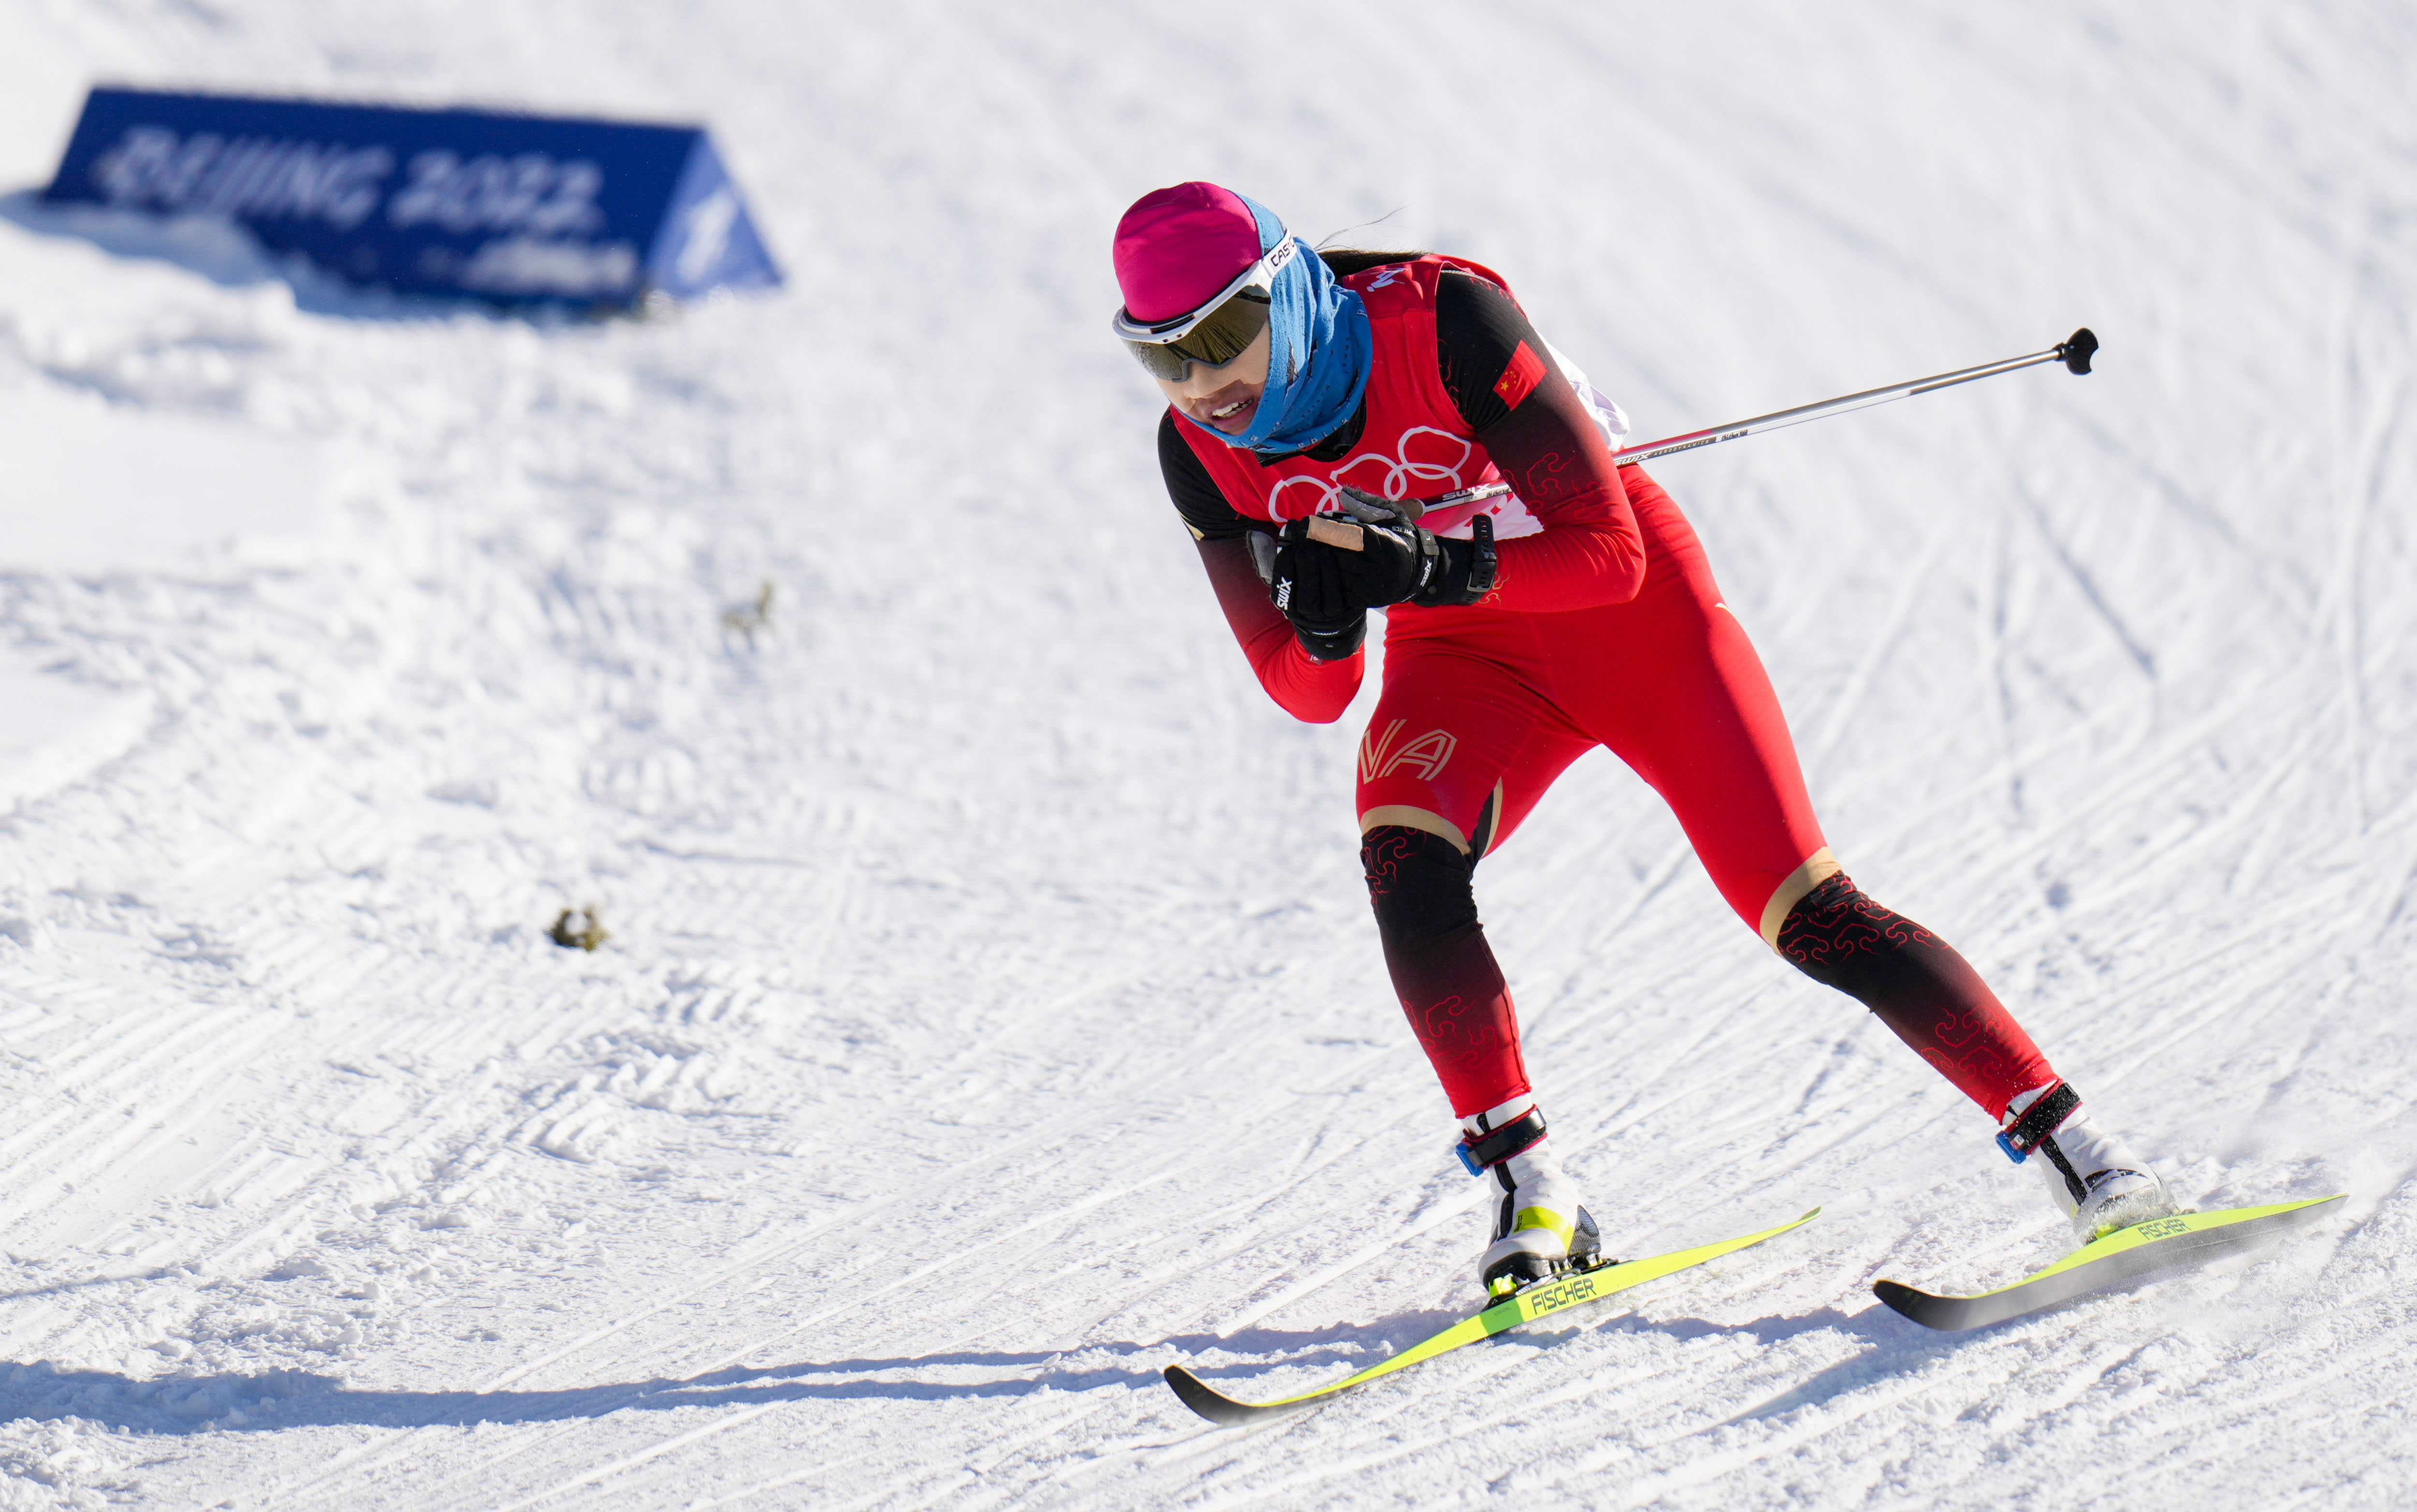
(1313,400)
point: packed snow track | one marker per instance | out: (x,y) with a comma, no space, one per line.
(990,1015)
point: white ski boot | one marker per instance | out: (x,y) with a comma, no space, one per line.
(2096,1180)
(1540,1230)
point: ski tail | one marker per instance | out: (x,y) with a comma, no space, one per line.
(1551,1296)
(2137,1253)
(1222,1410)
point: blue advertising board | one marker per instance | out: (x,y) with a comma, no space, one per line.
(461,201)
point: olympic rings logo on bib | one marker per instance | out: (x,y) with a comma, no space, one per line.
(1419,467)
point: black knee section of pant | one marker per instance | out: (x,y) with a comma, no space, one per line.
(1843,938)
(1420,886)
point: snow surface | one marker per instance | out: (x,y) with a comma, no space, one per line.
(991,1015)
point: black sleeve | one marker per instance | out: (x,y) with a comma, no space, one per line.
(1478,330)
(1547,445)
(1195,493)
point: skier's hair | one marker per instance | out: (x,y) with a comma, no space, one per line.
(1346,261)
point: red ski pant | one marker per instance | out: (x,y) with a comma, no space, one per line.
(1481,711)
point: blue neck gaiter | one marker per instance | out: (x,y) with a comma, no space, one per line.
(1319,348)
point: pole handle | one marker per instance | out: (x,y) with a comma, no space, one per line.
(1343,535)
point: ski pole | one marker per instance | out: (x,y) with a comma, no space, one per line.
(2075,352)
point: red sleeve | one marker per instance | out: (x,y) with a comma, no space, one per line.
(1305,688)
(1591,551)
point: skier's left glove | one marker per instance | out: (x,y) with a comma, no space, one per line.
(1398,560)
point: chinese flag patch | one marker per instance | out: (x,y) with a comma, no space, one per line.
(1520,376)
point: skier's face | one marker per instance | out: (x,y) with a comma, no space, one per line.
(1224,398)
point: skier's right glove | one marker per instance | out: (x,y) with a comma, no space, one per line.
(1311,590)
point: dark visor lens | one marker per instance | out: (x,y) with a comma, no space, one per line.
(1225,333)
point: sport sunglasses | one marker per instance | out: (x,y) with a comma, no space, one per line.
(1218,331)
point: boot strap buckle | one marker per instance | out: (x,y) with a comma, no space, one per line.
(2038,1122)
(1483,1151)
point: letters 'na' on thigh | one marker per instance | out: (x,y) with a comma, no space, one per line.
(1460,746)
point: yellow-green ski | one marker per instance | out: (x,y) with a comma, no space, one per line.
(1536,1302)
(2144,1249)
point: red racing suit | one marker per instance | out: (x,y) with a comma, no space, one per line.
(1568,540)
(1604,628)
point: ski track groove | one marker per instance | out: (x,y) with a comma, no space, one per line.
(602,1472)
(731,1271)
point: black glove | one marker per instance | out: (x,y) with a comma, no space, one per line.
(1396,560)
(1400,562)
(1466,574)
(1308,588)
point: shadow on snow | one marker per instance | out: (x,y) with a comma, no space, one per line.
(280,1399)
(277,1400)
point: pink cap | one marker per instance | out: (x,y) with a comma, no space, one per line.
(1178,247)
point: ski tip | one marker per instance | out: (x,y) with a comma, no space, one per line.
(1213,1404)
(2113,1260)
(2289,1215)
